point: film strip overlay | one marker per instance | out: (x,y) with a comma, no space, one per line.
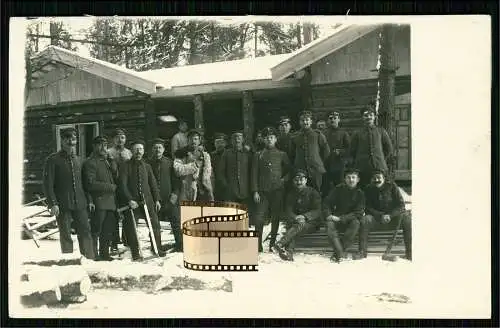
(216,237)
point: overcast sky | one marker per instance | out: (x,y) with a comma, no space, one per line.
(78,25)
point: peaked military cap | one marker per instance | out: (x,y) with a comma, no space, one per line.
(68,133)
(378,171)
(268,131)
(119,131)
(300,173)
(193,132)
(220,136)
(100,139)
(237,132)
(137,142)
(306,113)
(368,108)
(284,119)
(158,141)
(351,170)
(334,114)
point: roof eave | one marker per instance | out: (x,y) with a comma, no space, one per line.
(312,54)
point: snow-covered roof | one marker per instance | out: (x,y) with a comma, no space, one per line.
(248,69)
(344,35)
(104,69)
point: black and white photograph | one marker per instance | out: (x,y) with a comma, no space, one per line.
(306,122)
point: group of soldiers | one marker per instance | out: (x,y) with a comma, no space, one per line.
(305,178)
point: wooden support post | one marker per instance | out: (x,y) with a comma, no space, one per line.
(387,85)
(248,118)
(198,114)
(150,118)
(305,88)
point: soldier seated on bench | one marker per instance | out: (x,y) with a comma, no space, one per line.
(384,203)
(302,214)
(343,209)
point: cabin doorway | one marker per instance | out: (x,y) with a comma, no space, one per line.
(86,132)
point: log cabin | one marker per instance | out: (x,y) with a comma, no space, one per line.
(337,72)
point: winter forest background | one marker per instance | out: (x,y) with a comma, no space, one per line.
(148,43)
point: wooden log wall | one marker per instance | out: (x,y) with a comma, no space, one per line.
(348,98)
(269,106)
(40,139)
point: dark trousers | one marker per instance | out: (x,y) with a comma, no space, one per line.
(171,213)
(116,233)
(102,225)
(294,230)
(369,221)
(270,202)
(82,226)
(129,228)
(349,227)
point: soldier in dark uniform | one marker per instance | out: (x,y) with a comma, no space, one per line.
(310,150)
(138,186)
(284,142)
(343,209)
(339,143)
(234,171)
(270,168)
(384,203)
(99,182)
(62,180)
(168,184)
(302,215)
(259,142)
(220,144)
(371,147)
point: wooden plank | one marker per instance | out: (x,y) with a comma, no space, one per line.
(198,113)
(102,69)
(248,117)
(226,87)
(319,49)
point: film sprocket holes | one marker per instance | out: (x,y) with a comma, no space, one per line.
(216,237)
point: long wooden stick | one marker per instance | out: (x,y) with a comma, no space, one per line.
(150,227)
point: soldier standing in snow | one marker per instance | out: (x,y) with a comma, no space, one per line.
(215,157)
(270,168)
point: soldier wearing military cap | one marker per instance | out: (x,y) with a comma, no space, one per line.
(138,186)
(270,168)
(310,150)
(339,143)
(371,147)
(168,184)
(302,214)
(99,181)
(194,169)
(385,204)
(66,199)
(220,143)
(234,170)
(284,142)
(119,154)
(343,209)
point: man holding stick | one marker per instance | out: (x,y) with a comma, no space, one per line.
(138,186)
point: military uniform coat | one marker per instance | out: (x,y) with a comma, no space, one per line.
(306,201)
(284,143)
(138,183)
(384,200)
(270,169)
(337,139)
(62,180)
(371,147)
(99,182)
(344,202)
(234,172)
(310,151)
(166,178)
(215,157)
